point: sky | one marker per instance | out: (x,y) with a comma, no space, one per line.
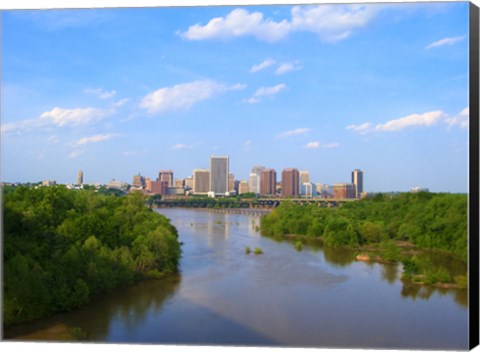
(324,88)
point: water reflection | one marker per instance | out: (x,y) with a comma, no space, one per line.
(424,292)
(127,306)
(390,272)
(338,256)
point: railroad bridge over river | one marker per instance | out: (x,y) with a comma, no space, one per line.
(248,203)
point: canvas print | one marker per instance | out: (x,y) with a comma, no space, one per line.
(277,175)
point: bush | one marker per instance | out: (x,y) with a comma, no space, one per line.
(257,250)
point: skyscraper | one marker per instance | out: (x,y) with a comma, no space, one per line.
(201,181)
(80,177)
(357,180)
(166,175)
(218,175)
(290,182)
(254,179)
(231,183)
(268,182)
(304,178)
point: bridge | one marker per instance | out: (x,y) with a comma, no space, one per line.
(247,203)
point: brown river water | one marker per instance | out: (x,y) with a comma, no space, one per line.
(317,297)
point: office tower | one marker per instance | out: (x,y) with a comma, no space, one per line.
(148,184)
(201,181)
(189,182)
(290,182)
(252,182)
(178,183)
(218,175)
(308,189)
(158,187)
(166,175)
(231,183)
(242,187)
(304,176)
(138,181)
(324,190)
(344,191)
(268,182)
(255,177)
(357,180)
(80,177)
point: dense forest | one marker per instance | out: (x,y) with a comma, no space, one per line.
(63,246)
(433,221)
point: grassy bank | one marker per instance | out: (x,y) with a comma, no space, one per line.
(386,229)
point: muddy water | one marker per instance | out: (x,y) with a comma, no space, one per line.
(317,297)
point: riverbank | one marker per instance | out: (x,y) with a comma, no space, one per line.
(417,269)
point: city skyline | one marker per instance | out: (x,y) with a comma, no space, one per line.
(386,92)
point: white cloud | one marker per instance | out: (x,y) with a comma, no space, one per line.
(363,128)
(120,103)
(295,132)
(74,117)
(445,41)
(52,140)
(331,145)
(330,22)
(100,93)
(239,23)
(461,120)
(183,96)
(426,119)
(95,139)
(181,146)
(261,66)
(59,117)
(316,145)
(265,92)
(287,67)
(76,153)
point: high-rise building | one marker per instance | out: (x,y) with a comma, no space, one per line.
(255,178)
(179,183)
(344,191)
(201,181)
(357,180)
(158,187)
(290,182)
(242,187)
(308,189)
(268,182)
(138,181)
(252,182)
(231,183)
(304,176)
(218,175)
(80,177)
(166,175)
(189,182)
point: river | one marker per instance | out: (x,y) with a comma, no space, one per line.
(317,297)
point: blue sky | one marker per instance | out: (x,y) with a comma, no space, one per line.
(327,88)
